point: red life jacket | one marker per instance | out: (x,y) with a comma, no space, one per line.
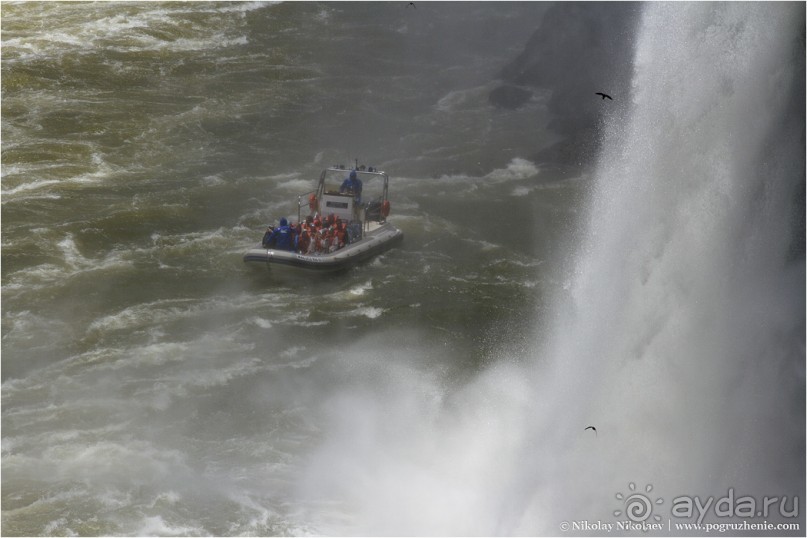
(304,242)
(341,236)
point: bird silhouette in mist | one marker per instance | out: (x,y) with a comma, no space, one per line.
(604,95)
(591,428)
(411,4)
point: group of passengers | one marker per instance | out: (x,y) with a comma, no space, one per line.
(315,235)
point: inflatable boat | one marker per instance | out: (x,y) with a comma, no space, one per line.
(335,227)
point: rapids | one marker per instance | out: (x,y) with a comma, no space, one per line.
(153,385)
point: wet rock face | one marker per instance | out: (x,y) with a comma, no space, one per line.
(578,49)
(510,97)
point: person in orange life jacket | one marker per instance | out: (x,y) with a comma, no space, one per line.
(341,234)
(337,226)
(304,241)
(334,240)
(352,184)
(316,242)
(283,236)
(326,240)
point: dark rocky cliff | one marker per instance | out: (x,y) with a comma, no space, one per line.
(580,48)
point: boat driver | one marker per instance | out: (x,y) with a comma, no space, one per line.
(352,185)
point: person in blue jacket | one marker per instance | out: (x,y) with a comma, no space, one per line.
(283,236)
(268,238)
(352,184)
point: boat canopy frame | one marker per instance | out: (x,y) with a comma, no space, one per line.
(360,171)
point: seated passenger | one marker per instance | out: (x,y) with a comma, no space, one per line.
(341,235)
(326,240)
(304,242)
(312,243)
(316,243)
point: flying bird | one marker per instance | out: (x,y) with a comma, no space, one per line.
(591,428)
(604,95)
(412,4)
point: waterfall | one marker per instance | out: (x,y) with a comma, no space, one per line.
(680,331)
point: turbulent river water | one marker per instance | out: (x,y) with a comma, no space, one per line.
(154,385)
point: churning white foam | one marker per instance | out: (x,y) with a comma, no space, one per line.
(517,168)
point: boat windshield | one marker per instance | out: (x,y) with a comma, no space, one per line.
(372,188)
(373,184)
